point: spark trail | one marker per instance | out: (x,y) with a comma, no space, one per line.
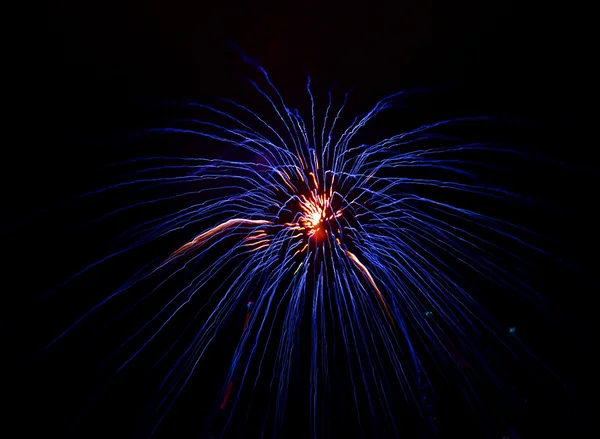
(361,242)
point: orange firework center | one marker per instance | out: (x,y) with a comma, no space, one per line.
(313,213)
(316,211)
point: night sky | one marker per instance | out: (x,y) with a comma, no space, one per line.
(98,71)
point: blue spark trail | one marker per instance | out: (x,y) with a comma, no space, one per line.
(371,244)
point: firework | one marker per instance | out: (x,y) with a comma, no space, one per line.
(356,263)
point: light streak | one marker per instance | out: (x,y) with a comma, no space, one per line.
(319,220)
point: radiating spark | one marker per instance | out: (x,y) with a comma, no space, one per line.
(350,230)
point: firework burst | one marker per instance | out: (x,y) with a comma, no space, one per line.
(352,264)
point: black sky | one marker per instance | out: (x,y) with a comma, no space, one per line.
(153,50)
(96,67)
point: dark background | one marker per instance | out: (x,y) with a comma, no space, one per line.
(93,71)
